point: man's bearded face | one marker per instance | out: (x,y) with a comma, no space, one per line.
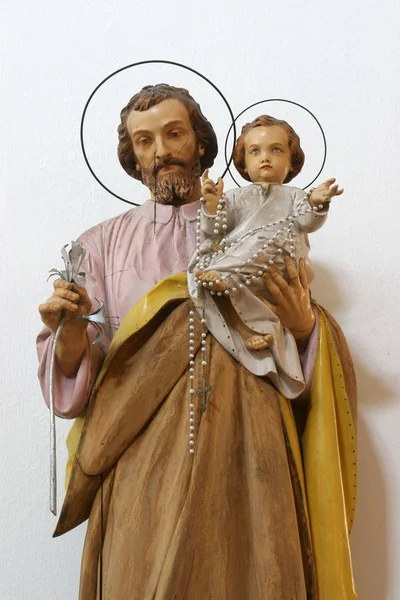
(173,187)
(167,151)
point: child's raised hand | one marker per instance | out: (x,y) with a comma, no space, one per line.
(325,192)
(211,192)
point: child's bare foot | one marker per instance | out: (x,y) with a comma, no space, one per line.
(258,342)
(213,278)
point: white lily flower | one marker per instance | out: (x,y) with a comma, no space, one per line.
(72,261)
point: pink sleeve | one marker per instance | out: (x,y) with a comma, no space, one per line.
(307,359)
(72,393)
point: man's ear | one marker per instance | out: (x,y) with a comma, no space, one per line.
(202,149)
(138,167)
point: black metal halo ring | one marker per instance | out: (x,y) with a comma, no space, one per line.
(146,62)
(228,163)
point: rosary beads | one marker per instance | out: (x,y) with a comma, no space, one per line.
(284,235)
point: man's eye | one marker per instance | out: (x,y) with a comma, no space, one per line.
(174,133)
(143,141)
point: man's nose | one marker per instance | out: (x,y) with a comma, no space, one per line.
(162,150)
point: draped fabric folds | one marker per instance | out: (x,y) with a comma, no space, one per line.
(256,513)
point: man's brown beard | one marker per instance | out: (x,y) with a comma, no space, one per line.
(172,188)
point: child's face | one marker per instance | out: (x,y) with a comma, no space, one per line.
(267,156)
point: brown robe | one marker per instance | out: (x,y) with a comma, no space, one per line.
(227,523)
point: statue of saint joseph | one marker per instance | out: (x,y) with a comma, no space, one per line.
(263,507)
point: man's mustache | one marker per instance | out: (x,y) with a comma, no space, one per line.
(167,162)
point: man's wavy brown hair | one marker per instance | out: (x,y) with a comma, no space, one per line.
(151,95)
(294,145)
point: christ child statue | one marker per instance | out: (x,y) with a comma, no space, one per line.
(251,230)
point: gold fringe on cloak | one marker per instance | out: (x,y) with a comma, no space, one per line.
(253,514)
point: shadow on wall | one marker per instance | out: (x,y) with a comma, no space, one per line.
(323,289)
(369,541)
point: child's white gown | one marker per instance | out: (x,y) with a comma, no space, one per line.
(247,210)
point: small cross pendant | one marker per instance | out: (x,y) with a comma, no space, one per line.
(203,392)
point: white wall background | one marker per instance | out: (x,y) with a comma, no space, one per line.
(341,59)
